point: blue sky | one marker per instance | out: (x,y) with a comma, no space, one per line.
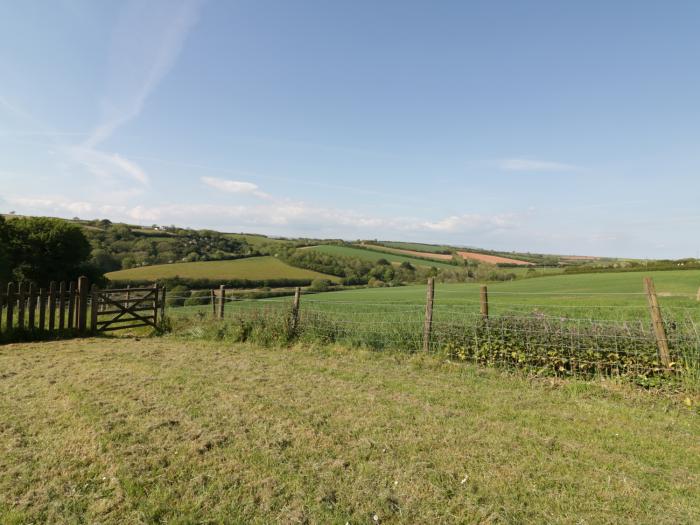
(562,127)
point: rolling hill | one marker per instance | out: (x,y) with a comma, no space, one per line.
(253,268)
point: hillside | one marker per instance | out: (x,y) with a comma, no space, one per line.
(253,268)
(376,255)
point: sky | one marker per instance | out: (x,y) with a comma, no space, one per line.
(542,126)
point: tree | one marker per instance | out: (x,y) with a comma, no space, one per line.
(5,251)
(46,250)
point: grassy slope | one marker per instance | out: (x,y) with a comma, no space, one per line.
(252,239)
(417,246)
(253,268)
(117,431)
(375,255)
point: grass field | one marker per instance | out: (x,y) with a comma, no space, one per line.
(375,255)
(254,268)
(181,431)
(417,246)
(252,239)
(587,291)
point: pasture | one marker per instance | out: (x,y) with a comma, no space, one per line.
(375,255)
(182,430)
(252,268)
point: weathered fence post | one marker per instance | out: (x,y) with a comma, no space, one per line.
(156,295)
(94,305)
(42,309)
(2,303)
(71,305)
(295,311)
(657,321)
(162,303)
(82,303)
(484,300)
(222,300)
(31,307)
(52,305)
(20,305)
(61,305)
(428,322)
(10,306)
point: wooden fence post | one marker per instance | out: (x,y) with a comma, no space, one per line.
(156,296)
(20,305)
(42,309)
(71,305)
(295,310)
(61,305)
(428,322)
(94,306)
(52,305)
(222,300)
(2,303)
(31,307)
(162,303)
(82,304)
(10,306)
(484,300)
(657,321)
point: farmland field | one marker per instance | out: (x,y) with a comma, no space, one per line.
(417,246)
(474,256)
(254,268)
(375,255)
(252,239)
(173,430)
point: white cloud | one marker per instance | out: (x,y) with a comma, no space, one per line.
(532,165)
(234,186)
(471,222)
(298,217)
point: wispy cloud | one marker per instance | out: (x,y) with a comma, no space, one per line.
(535,166)
(471,222)
(234,186)
(146,42)
(109,167)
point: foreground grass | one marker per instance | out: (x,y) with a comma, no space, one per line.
(170,430)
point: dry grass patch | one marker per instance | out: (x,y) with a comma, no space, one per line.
(169,430)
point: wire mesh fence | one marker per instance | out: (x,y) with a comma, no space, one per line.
(559,334)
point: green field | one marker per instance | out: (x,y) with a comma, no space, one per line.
(676,288)
(417,246)
(252,239)
(254,268)
(172,430)
(375,255)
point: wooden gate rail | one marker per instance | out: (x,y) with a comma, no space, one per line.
(68,309)
(128,309)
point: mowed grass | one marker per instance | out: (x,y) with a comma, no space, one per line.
(168,430)
(375,255)
(253,268)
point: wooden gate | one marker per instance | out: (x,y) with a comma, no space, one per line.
(123,308)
